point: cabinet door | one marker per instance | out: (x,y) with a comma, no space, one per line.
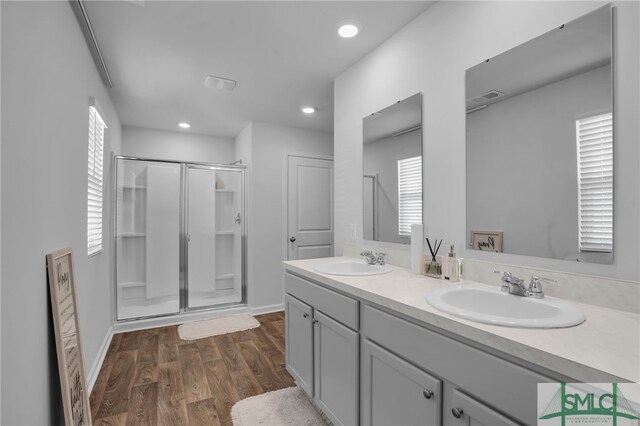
(299,342)
(395,392)
(461,409)
(336,370)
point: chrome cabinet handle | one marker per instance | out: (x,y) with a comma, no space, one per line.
(457,412)
(305,315)
(427,394)
(315,321)
(292,239)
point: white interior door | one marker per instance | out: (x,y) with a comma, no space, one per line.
(309,208)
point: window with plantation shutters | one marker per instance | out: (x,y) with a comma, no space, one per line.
(95,180)
(409,193)
(594,137)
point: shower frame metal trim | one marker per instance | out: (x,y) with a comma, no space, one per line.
(183,285)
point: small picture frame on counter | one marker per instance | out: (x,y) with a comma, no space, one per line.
(487,241)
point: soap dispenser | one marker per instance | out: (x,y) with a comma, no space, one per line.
(452,266)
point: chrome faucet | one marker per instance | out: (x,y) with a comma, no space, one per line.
(374,258)
(380,258)
(514,285)
(371,258)
(535,286)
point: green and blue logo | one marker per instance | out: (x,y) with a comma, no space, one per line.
(572,404)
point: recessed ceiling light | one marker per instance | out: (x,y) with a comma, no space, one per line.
(308,109)
(184,125)
(348,29)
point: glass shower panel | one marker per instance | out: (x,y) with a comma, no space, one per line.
(147,238)
(214,236)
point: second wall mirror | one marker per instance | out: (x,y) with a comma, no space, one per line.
(540,145)
(392,171)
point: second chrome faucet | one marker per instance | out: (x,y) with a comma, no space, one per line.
(514,285)
(374,258)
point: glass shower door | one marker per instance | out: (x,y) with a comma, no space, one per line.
(147,233)
(214,236)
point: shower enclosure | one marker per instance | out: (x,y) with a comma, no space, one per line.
(179,232)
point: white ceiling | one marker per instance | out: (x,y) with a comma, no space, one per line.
(283,54)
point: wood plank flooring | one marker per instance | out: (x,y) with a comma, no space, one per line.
(152,377)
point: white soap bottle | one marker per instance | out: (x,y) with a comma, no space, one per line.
(451,266)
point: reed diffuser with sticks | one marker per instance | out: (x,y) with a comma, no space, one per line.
(433,268)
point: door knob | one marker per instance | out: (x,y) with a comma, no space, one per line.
(457,412)
(292,239)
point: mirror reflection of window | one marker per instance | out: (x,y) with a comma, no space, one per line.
(594,139)
(392,171)
(539,150)
(409,193)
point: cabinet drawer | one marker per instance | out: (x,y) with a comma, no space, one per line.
(468,411)
(341,308)
(497,382)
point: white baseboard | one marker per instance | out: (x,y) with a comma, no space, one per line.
(92,376)
(267,309)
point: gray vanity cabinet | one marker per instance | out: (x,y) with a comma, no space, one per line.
(299,342)
(462,410)
(322,347)
(335,370)
(394,392)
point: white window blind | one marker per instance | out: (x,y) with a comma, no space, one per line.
(95,179)
(409,193)
(595,183)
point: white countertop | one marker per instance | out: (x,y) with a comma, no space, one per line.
(605,348)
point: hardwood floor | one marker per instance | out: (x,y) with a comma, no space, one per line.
(152,377)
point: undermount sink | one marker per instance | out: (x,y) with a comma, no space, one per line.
(352,267)
(491,306)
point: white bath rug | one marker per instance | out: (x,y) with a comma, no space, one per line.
(284,407)
(216,326)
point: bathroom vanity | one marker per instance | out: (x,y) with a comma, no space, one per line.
(370,350)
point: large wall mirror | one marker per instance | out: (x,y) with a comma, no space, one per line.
(540,145)
(392,171)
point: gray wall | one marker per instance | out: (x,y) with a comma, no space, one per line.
(268,144)
(47,78)
(430,55)
(382,157)
(521,172)
(177,146)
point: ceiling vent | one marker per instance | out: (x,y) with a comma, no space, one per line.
(485,97)
(219,83)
